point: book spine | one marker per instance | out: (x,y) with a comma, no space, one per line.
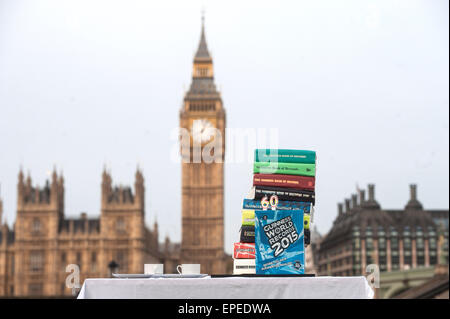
(244,266)
(247,234)
(307,236)
(285,194)
(248,217)
(305,207)
(285,156)
(290,181)
(284,168)
(244,251)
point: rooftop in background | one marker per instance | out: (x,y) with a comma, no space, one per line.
(365,233)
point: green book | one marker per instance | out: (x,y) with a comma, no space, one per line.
(284,168)
(285,156)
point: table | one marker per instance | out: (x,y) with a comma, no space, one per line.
(228,288)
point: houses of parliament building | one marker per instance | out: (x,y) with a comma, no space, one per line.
(34,254)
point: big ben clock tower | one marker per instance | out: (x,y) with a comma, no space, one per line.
(202,115)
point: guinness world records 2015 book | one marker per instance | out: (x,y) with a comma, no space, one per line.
(279,242)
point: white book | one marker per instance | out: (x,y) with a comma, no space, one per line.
(244,266)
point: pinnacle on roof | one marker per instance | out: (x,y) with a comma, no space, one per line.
(202,51)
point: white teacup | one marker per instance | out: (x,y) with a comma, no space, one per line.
(189,269)
(153,269)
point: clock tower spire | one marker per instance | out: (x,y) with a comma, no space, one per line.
(202,51)
(203,181)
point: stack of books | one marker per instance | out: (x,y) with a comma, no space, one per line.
(288,174)
(244,250)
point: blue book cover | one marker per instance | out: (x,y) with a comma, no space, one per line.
(304,207)
(279,242)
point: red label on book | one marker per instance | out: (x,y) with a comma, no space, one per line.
(290,181)
(244,250)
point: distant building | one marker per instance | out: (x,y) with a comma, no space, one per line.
(437,287)
(365,234)
(202,189)
(35,253)
(311,252)
(420,282)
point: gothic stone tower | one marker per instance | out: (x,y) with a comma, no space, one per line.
(203,116)
(125,237)
(39,213)
(34,256)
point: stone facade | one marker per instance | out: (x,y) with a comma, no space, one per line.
(203,181)
(395,240)
(311,252)
(35,253)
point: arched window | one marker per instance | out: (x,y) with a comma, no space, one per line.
(122,260)
(407,246)
(394,243)
(420,251)
(420,246)
(36,226)
(355,231)
(393,231)
(419,231)
(63,261)
(369,231)
(406,231)
(120,225)
(36,261)
(93,262)
(381,232)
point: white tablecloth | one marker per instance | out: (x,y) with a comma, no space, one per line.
(228,288)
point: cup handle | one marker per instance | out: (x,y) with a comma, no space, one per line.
(178,269)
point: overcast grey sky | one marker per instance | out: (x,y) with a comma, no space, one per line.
(88,83)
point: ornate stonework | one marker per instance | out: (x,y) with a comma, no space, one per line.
(202,182)
(394,240)
(34,255)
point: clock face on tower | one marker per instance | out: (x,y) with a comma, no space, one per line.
(202,130)
(202,148)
